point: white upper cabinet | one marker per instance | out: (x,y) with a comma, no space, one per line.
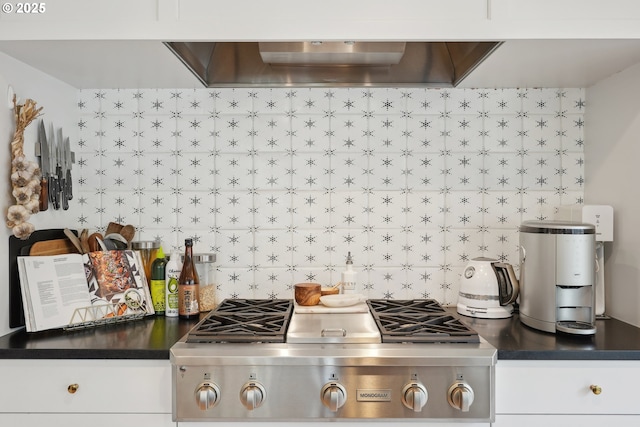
(329,19)
(77,13)
(569,10)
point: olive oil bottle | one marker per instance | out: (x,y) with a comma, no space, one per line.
(157,285)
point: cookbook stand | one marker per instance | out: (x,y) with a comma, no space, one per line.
(104,314)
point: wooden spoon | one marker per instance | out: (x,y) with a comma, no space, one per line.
(128,232)
(92,240)
(113,227)
(84,240)
(74,239)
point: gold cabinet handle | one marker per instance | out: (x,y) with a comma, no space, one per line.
(596,389)
(72,388)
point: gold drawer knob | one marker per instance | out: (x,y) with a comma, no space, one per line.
(595,389)
(72,388)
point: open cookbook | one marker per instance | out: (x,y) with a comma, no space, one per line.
(74,290)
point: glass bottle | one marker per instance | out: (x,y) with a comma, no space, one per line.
(157,285)
(172,272)
(188,285)
(349,277)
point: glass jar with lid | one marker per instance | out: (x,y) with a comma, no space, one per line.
(206,267)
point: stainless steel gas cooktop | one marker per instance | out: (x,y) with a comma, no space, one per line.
(266,321)
(394,359)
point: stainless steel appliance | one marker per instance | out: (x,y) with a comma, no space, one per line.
(384,360)
(557,276)
(488,289)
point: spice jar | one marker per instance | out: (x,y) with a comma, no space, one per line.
(206,267)
(147,249)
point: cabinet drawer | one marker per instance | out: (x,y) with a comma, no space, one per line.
(109,386)
(566,420)
(564,387)
(85,420)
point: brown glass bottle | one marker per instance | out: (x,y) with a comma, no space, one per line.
(188,284)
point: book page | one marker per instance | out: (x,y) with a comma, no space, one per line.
(117,277)
(54,286)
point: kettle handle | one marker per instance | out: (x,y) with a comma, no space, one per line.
(515,291)
(506,276)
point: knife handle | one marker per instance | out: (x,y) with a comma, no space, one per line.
(43,203)
(69,185)
(59,187)
(64,199)
(55,193)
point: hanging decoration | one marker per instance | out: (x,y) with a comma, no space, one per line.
(25,174)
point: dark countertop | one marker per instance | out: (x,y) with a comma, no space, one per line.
(151,338)
(613,340)
(147,338)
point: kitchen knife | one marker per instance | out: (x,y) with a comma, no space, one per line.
(44,167)
(62,188)
(68,165)
(65,172)
(53,185)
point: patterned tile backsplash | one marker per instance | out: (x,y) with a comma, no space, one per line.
(282,183)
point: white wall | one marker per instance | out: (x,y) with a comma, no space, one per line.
(59,102)
(612,151)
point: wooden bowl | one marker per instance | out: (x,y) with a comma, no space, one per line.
(307,293)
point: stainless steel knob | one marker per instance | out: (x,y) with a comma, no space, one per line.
(414,396)
(252,395)
(333,396)
(207,396)
(460,396)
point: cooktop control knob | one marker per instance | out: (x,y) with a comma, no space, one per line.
(207,395)
(414,396)
(460,396)
(252,395)
(333,396)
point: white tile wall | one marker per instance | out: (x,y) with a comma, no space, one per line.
(282,183)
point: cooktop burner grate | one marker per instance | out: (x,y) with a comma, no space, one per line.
(242,320)
(260,306)
(419,321)
(390,306)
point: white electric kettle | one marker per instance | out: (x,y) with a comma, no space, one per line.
(488,289)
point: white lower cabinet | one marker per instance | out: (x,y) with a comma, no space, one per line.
(69,392)
(566,393)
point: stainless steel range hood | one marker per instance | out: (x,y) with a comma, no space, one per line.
(313,64)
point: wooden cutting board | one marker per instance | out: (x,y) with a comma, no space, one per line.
(53,247)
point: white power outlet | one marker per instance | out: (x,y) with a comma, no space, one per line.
(602,217)
(599,215)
